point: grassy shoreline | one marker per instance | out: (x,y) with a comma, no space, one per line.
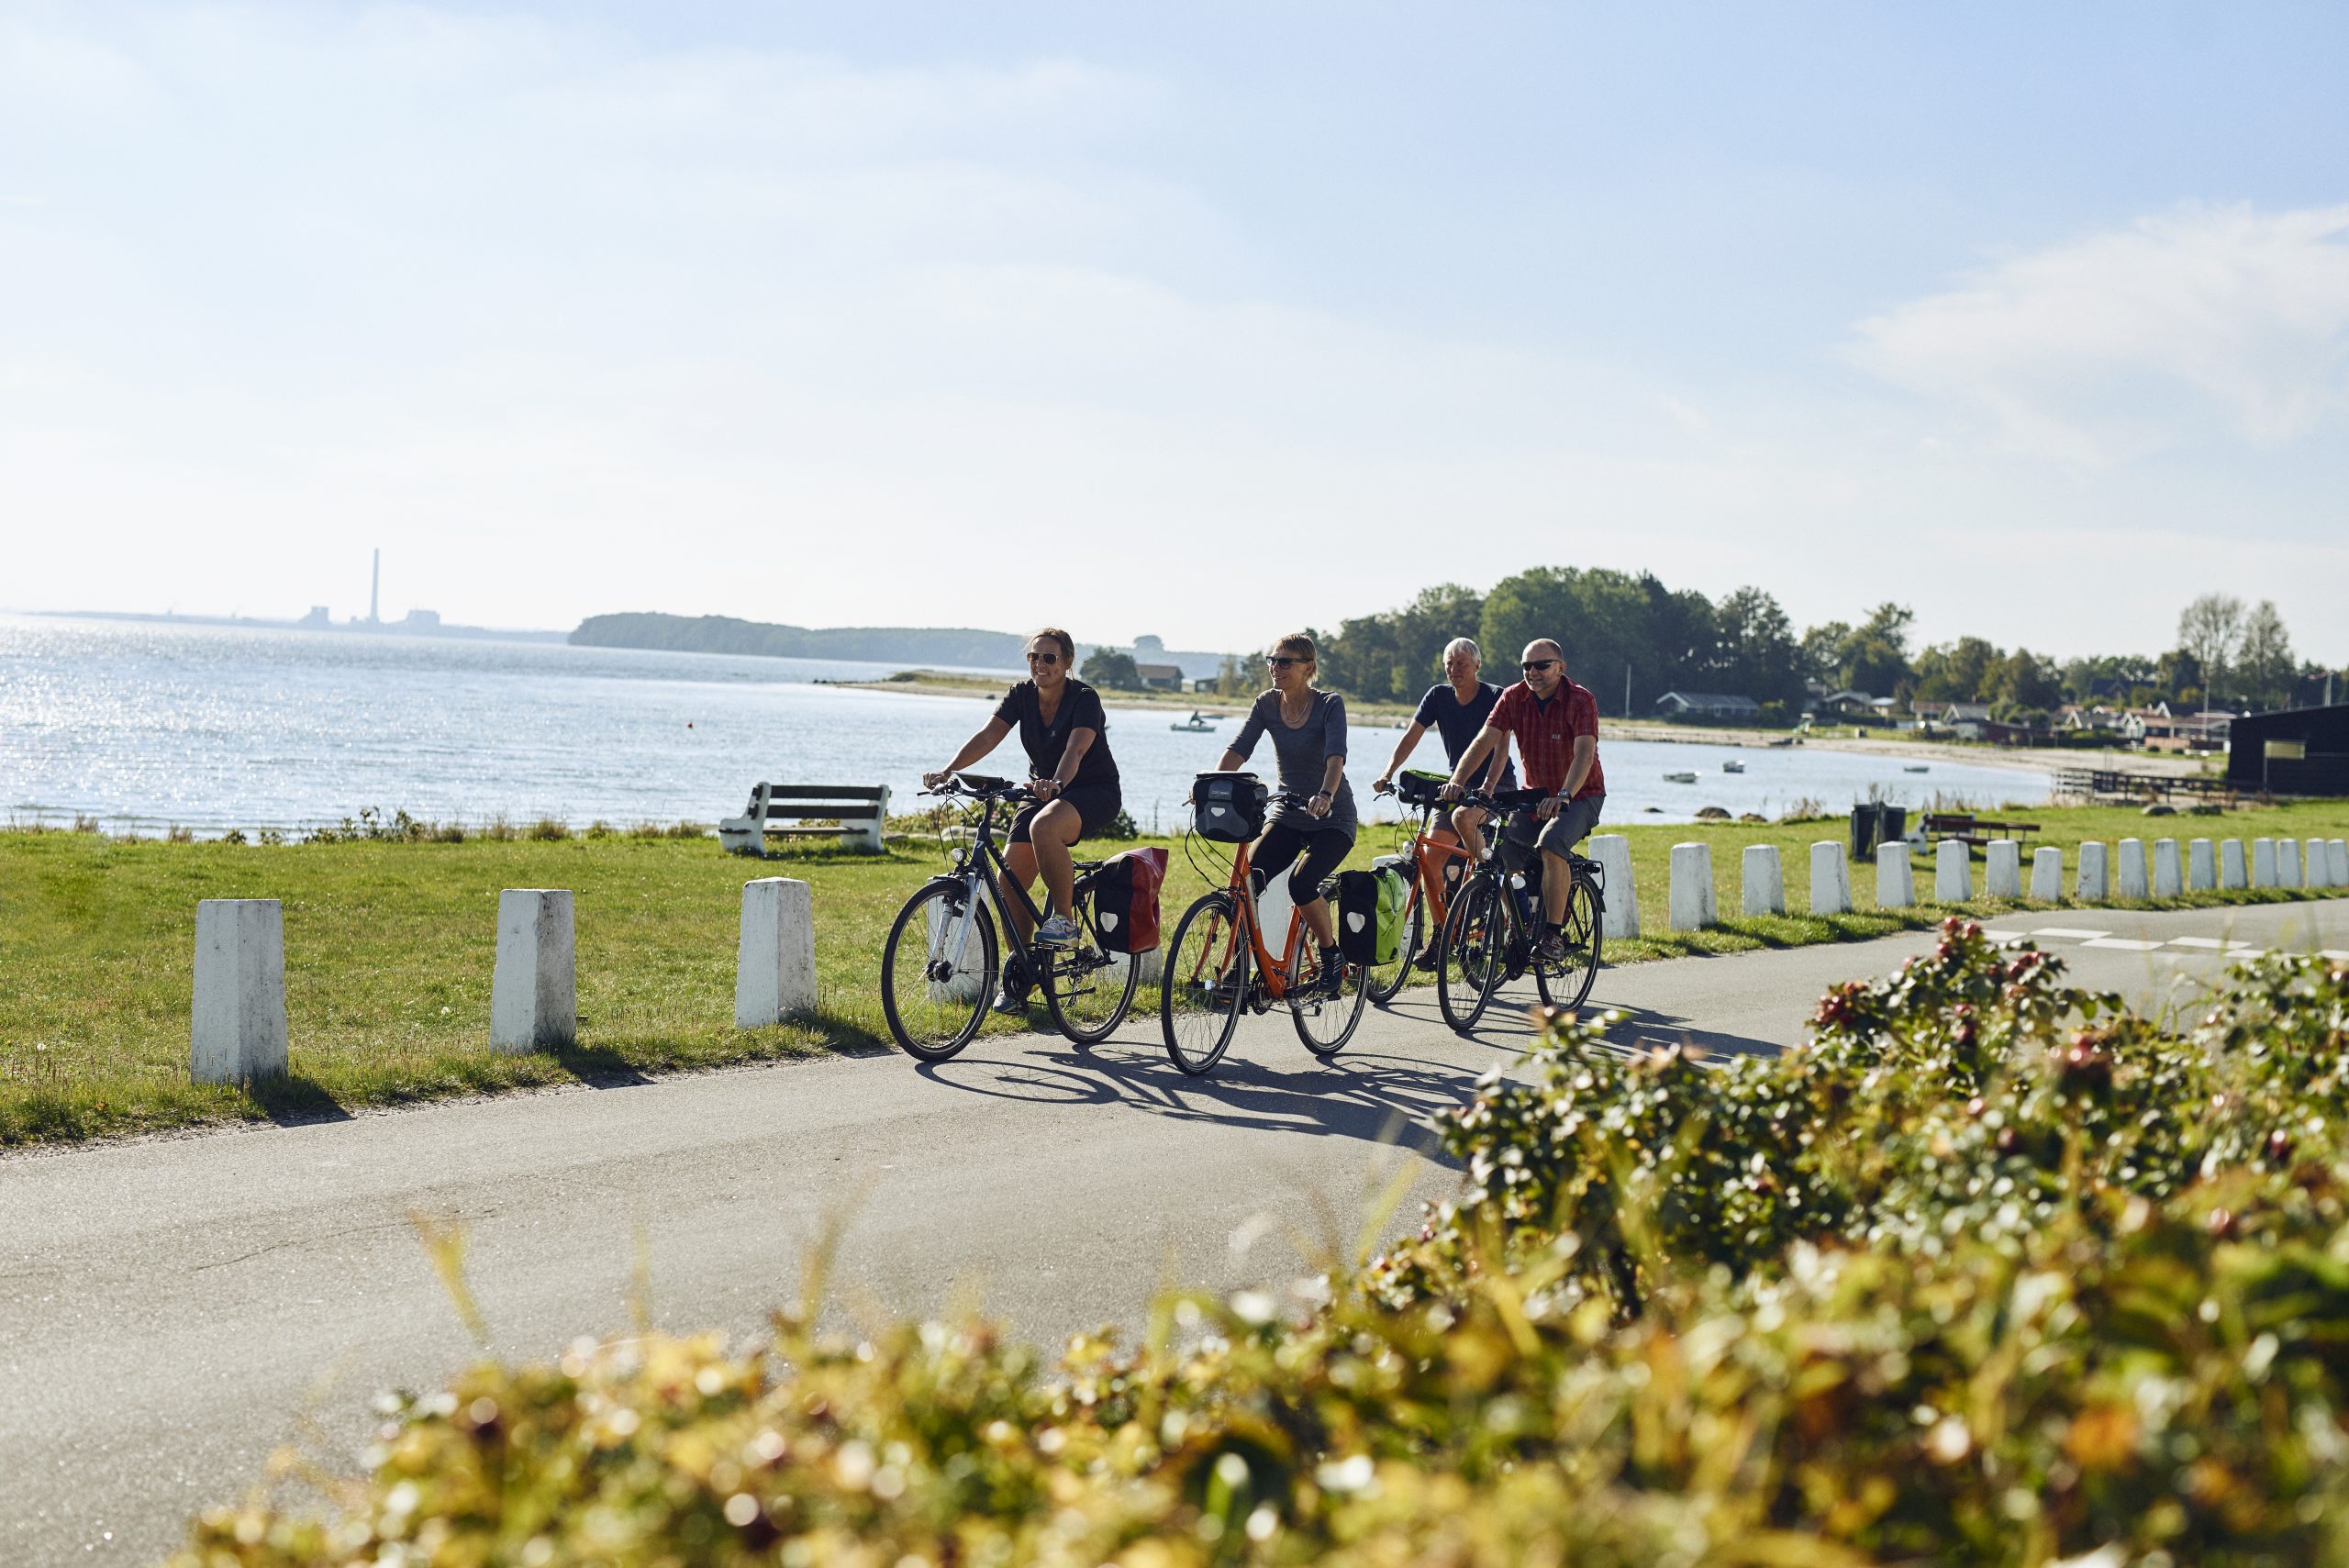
(390,947)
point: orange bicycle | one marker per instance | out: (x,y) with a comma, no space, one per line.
(1435,869)
(1217,963)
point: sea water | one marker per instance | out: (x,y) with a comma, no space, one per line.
(146,724)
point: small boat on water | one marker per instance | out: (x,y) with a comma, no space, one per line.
(1194,726)
(1734,766)
(1916,768)
(1680,778)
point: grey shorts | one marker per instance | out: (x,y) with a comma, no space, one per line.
(1570,827)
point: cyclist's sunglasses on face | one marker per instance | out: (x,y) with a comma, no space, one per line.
(1532,664)
(1280,661)
(1050,656)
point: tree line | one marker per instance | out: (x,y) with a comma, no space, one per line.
(1631,640)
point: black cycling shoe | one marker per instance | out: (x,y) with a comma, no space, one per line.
(1013,997)
(1332,981)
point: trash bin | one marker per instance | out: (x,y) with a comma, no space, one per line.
(1892,822)
(1865,827)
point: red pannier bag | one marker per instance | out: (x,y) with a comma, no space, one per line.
(1125,900)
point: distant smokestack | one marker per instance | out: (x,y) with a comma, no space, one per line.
(374,586)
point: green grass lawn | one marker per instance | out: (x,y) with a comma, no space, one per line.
(390,946)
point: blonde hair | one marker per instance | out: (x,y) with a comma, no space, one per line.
(1298,642)
(1068,644)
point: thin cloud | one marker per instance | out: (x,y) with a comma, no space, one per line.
(2109,347)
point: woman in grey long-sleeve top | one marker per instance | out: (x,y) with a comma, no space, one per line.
(1308,732)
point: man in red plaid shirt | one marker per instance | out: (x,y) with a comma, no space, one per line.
(1556,726)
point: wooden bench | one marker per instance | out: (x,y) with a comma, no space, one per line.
(1972,831)
(859,811)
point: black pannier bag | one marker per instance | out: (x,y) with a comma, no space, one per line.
(1228,807)
(1370,915)
(1415,787)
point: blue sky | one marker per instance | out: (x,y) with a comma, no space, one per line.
(1202,320)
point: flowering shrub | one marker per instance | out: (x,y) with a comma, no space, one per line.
(1992,1272)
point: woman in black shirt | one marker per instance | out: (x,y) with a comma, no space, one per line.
(1076,780)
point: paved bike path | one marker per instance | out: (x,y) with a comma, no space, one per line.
(169,1307)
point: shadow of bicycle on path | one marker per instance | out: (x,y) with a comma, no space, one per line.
(1369,1094)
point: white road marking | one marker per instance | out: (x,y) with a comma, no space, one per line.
(2211,942)
(2006,936)
(2248,953)
(2125,944)
(2335,955)
(2072,931)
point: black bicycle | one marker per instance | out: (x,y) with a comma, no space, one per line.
(940,968)
(1490,936)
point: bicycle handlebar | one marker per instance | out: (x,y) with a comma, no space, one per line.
(980,787)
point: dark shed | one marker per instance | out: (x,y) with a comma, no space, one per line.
(2320,734)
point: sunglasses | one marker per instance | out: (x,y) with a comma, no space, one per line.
(1043,657)
(1532,664)
(1281,660)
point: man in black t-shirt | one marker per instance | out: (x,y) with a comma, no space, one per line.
(1457,707)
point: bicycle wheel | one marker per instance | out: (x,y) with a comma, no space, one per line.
(1323,1022)
(1086,990)
(1568,984)
(1205,983)
(1475,953)
(1385,982)
(938,970)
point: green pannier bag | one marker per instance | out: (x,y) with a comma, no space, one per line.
(1370,915)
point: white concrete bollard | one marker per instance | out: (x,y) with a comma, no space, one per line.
(1692,886)
(1952,873)
(1896,882)
(2337,852)
(2091,884)
(2128,871)
(2168,883)
(2047,874)
(2315,865)
(2231,867)
(775,966)
(2202,866)
(1830,878)
(2287,863)
(1621,916)
(1764,881)
(1153,965)
(2263,862)
(238,1030)
(533,993)
(2003,869)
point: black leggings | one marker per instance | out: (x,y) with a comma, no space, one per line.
(1323,850)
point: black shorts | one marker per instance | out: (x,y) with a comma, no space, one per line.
(1570,827)
(1095,805)
(1323,851)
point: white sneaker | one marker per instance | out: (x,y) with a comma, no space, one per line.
(1060,931)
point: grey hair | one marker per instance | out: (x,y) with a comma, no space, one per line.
(1458,643)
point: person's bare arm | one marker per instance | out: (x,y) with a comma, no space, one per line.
(1586,753)
(1080,742)
(1485,740)
(1497,767)
(1403,749)
(989,737)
